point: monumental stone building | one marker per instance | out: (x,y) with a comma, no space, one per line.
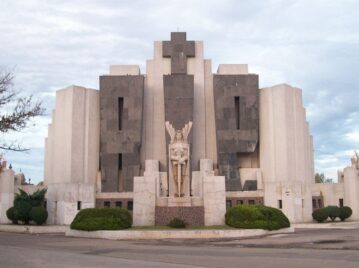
(182,141)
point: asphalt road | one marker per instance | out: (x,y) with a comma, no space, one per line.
(305,248)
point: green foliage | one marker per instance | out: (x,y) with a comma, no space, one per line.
(10,213)
(93,219)
(320,178)
(256,217)
(320,215)
(333,211)
(177,223)
(345,212)
(38,197)
(38,215)
(22,206)
(24,202)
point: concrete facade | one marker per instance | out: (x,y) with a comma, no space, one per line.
(247,145)
(72,153)
(286,151)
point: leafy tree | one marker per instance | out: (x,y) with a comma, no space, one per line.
(16,111)
(320,178)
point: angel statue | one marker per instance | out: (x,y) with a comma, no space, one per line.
(355,160)
(179,155)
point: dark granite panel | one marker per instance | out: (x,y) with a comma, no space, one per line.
(109,175)
(126,141)
(191,215)
(231,140)
(178,94)
(250,185)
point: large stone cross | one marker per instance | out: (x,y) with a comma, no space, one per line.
(178,49)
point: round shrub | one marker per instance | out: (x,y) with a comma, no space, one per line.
(320,215)
(256,217)
(10,214)
(22,211)
(333,211)
(345,212)
(38,215)
(93,219)
(177,223)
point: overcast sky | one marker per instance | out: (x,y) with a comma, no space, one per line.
(310,44)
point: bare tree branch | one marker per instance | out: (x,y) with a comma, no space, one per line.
(20,110)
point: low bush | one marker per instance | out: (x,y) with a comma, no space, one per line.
(22,211)
(24,202)
(177,223)
(93,219)
(256,217)
(38,215)
(333,211)
(320,215)
(10,214)
(345,212)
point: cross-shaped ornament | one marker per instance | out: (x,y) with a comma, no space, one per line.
(178,49)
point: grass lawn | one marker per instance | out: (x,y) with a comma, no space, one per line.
(159,228)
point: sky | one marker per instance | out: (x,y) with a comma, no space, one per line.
(310,44)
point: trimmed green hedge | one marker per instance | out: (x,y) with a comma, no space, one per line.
(320,215)
(333,211)
(93,219)
(38,215)
(256,217)
(10,214)
(23,204)
(345,212)
(177,223)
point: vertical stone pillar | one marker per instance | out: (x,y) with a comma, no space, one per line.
(6,193)
(144,195)
(214,200)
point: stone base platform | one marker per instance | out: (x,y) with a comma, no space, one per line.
(327,225)
(176,234)
(191,215)
(33,229)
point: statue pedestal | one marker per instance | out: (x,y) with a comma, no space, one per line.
(207,206)
(179,201)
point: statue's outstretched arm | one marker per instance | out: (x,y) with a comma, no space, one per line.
(171,131)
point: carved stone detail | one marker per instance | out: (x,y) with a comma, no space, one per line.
(179,156)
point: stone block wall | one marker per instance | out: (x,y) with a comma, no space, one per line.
(191,215)
(120,145)
(235,133)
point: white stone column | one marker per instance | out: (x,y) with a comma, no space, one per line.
(214,200)
(6,193)
(144,200)
(351,190)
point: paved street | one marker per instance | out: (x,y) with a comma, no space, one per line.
(305,248)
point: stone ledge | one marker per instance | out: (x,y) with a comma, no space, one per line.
(327,225)
(33,229)
(175,234)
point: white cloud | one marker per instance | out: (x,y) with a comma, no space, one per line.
(353,136)
(309,44)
